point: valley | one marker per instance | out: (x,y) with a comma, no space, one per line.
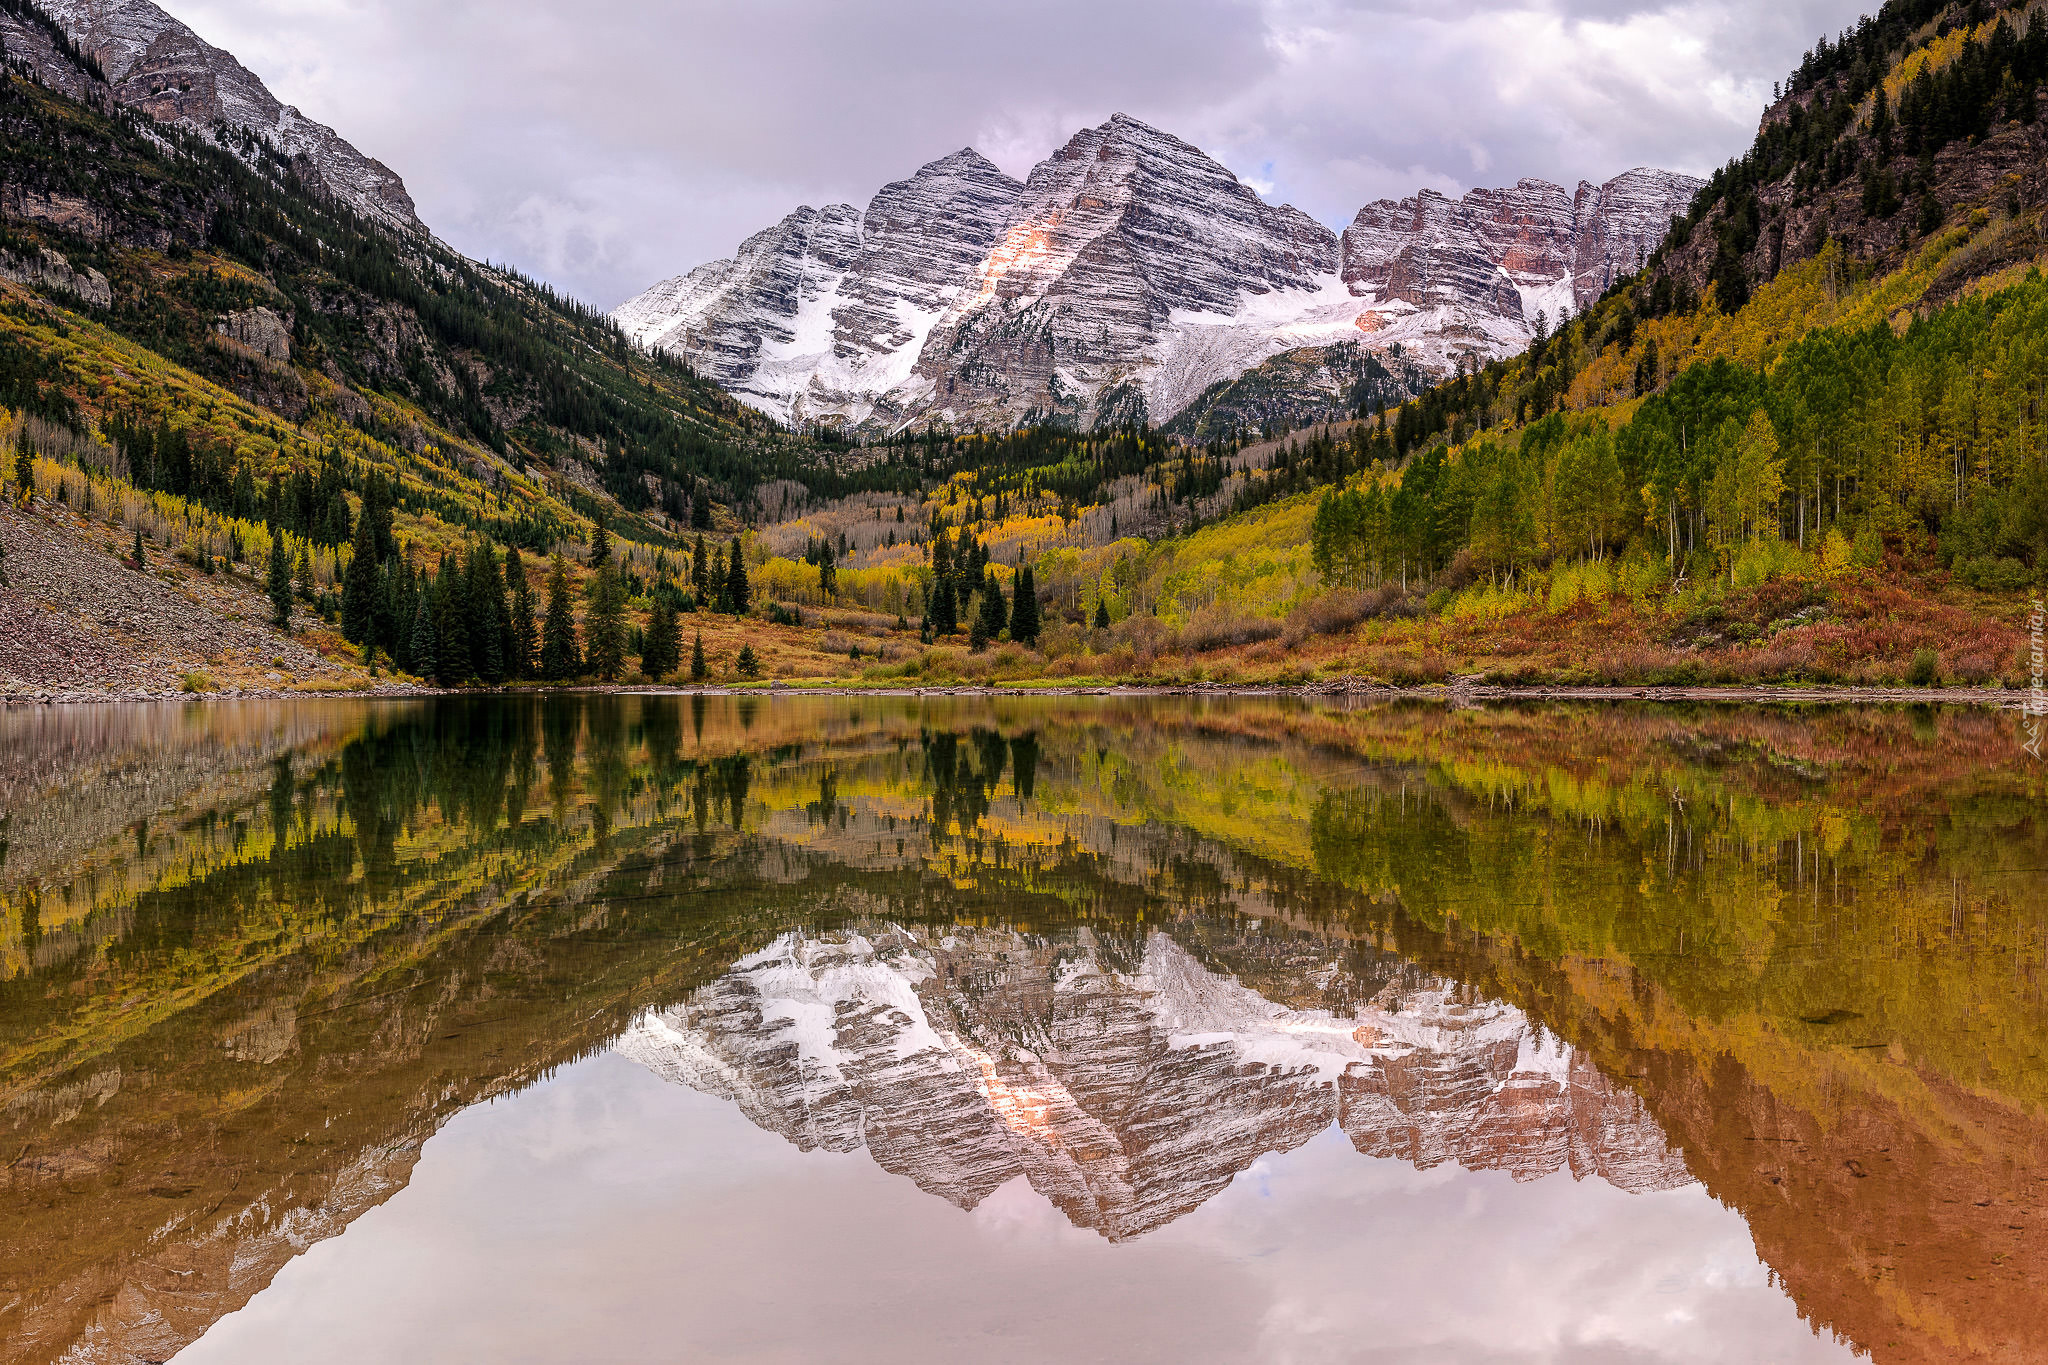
(1770,429)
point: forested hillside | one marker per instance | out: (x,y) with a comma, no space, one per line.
(1803,444)
(227,370)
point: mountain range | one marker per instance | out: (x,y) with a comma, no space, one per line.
(1124,276)
(1127,1091)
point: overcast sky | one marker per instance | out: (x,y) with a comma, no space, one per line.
(606,144)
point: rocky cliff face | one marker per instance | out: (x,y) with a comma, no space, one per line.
(1468,276)
(156,64)
(832,305)
(1127,1082)
(1127,275)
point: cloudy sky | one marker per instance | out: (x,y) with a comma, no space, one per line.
(606,144)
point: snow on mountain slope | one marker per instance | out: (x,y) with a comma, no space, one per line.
(1126,275)
(828,310)
(160,66)
(1125,1092)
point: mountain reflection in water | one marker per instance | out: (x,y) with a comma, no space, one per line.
(1110,957)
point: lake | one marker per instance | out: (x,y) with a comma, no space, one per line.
(896,1028)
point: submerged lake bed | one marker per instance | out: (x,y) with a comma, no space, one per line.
(1100,1028)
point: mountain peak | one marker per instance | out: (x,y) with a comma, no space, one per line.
(157,64)
(1126,274)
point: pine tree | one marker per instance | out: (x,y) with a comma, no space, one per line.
(659,652)
(739,595)
(3,564)
(994,613)
(360,588)
(395,624)
(1102,613)
(525,640)
(485,600)
(25,471)
(452,662)
(558,635)
(604,624)
(747,664)
(600,546)
(137,562)
(384,616)
(945,609)
(278,583)
(1024,619)
(699,670)
(420,653)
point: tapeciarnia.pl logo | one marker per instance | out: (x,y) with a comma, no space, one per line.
(2037,696)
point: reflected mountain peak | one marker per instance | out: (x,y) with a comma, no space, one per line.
(1125,1080)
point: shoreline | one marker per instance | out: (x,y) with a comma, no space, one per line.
(1454,693)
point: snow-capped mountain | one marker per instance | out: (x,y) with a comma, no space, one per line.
(1127,273)
(156,64)
(1483,266)
(1126,1091)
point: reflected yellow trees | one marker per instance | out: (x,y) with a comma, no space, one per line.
(250,961)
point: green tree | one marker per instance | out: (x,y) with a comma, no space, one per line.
(1742,500)
(1024,616)
(661,650)
(452,659)
(747,664)
(991,617)
(277,583)
(558,651)
(420,652)
(1101,613)
(520,656)
(138,562)
(738,593)
(604,624)
(945,608)
(699,670)
(360,588)
(489,621)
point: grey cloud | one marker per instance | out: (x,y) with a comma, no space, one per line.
(606,144)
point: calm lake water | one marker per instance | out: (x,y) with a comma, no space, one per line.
(804,1029)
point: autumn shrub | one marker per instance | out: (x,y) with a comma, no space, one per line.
(1640,576)
(1117,662)
(1588,580)
(1060,640)
(1973,668)
(1926,669)
(1988,574)
(1336,612)
(1404,670)
(1767,558)
(1137,633)
(1487,602)
(1216,626)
